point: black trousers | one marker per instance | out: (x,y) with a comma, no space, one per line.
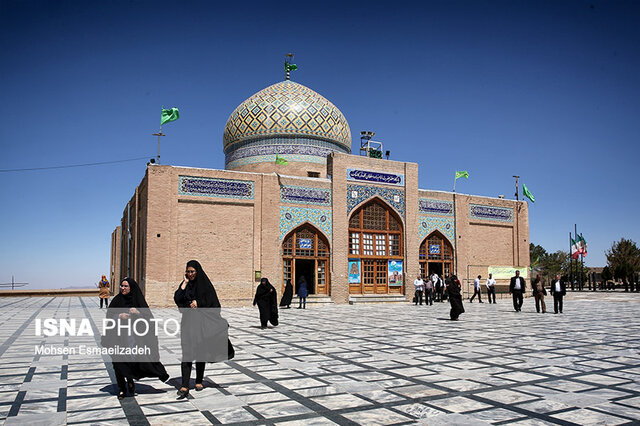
(478,293)
(438,294)
(186,372)
(491,291)
(557,302)
(106,303)
(120,380)
(418,297)
(517,300)
(428,296)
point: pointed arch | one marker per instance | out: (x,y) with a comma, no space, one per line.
(375,239)
(436,255)
(306,252)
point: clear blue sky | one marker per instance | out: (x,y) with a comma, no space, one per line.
(548,90)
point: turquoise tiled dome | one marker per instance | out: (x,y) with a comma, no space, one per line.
(288,114)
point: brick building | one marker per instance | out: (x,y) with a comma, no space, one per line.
(358,228)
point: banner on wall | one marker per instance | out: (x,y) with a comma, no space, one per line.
(395,273)
(506,272)
(354,271)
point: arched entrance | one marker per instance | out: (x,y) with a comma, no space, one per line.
(305,252)
(375,241)
(436,255)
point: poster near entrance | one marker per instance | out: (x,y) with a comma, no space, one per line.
(354,271)
(395,273)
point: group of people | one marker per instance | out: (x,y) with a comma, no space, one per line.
(432,289)
(516,289)
(198,327)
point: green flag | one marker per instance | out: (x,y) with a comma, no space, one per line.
(528,193)
(169,115)
(535,263)
(280,160)
(462,173)
(290,67)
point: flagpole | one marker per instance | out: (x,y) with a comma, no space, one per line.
(570,259)
(159,134)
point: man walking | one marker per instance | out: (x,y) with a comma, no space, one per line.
(558,290)
(419,285)
(491,288)
(476,290)
(516,288)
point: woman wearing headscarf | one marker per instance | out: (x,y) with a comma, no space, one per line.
(104,294)
(201,330)
(455,298)
(302,292)
(130,304)
(285,302)
(267,301)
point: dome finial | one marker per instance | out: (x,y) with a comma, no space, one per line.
(288,66)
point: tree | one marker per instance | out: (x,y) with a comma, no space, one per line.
(606,276)
(624,260)
(550,264)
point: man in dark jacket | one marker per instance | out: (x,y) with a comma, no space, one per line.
(558,290)
(516,288)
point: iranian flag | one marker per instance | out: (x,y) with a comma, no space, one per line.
(582,245)
(575,250)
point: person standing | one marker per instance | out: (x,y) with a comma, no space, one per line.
(130,305)
(455,298)
(105,292)
(538,293)
(491,288)
(287,295)
(267,301)
(558,290)
(302,292)
(419,286)
(199,327)
(437,283)
(428,292)
(476,290)
(516,288)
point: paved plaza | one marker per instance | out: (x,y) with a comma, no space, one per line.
(341,364)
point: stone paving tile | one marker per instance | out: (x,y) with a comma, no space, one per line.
(322,366)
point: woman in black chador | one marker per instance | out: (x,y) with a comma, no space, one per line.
(201,330)
(130,304)
(455,298)
(285,302)
(267,301)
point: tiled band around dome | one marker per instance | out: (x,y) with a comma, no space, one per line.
(285,119)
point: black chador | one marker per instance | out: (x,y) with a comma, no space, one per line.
(267,300)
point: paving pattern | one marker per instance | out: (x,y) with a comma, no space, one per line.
(366,364)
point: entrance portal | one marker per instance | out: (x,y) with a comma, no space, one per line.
(305,252)
(436,255)
(305,268)
(435,268)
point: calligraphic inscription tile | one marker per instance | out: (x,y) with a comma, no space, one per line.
(440,207)
(304,195)
(492,213)
(292,217)
(375,177)
(216,187)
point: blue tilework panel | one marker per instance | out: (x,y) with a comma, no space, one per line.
(304,195)
(221,188)
(294,149)
(359,193)
(430,206)
(428,224)
(491,213)
(292,217)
